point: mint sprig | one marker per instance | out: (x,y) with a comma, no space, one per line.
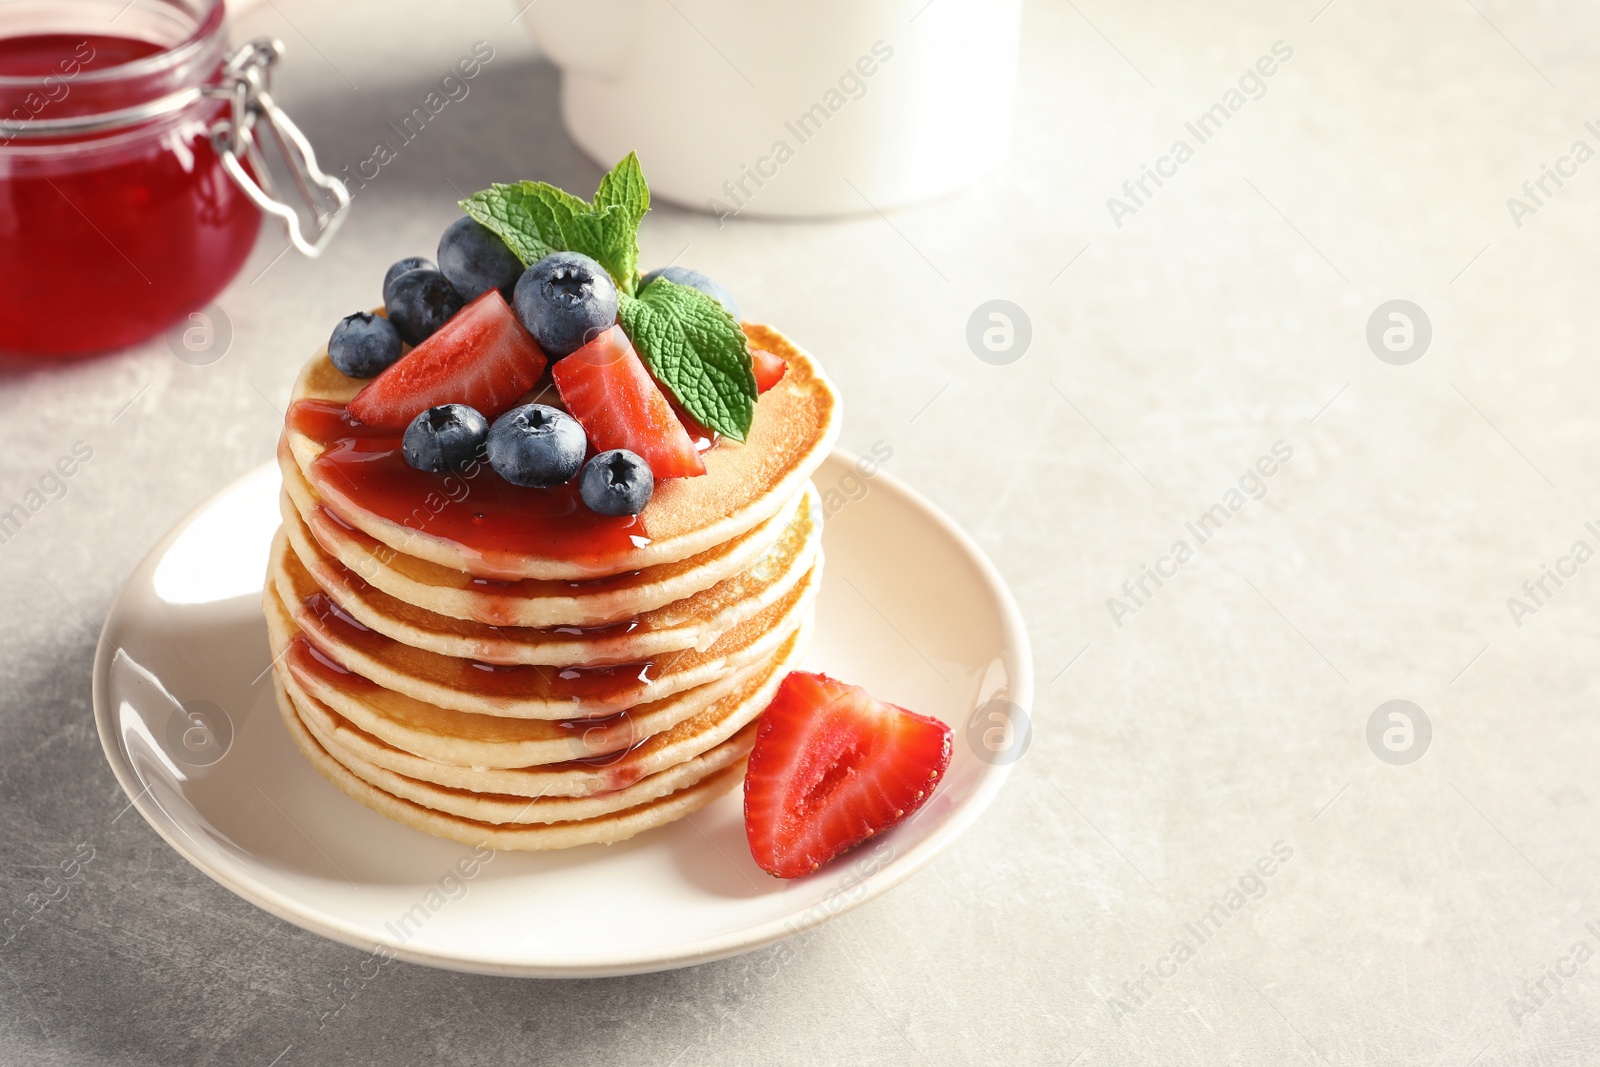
(535,219)
(693,348)
(696,351)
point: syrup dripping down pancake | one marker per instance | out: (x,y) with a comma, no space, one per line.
(529,601)
(531,691)
(695,621)
(462,748)
(501,808)
(605,829)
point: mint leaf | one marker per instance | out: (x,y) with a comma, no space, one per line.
(624,187)
(622,200)
(535,219)
(610,238)
(532,218)
(696,351)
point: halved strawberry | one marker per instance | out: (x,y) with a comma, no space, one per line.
(613,397)
(482,357)
(831,767)
(769,369)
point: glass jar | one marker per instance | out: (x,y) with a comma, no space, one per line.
(131,182)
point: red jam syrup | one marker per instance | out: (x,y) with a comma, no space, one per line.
(43,53)
(492,521)
(492,606)
(601,638)
(106,239)
(593,691)
(320,519)
(306,660)
(613,737)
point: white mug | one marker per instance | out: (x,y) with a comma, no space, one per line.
(754,107)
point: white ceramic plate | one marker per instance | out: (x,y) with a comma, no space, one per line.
(909,608)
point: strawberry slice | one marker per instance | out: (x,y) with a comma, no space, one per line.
(831,767)
(606,388)
(769,369)
(482,357)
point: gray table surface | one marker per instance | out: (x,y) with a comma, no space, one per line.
(1420,906)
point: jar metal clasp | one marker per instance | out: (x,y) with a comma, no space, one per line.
(246,83)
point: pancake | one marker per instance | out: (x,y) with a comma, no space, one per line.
(501,808)
(483,745)
(692,622)
(498,664)
(524,690)
(796,424)
(530,601)
(604,829)
(600,773)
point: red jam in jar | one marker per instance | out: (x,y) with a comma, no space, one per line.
(116,215)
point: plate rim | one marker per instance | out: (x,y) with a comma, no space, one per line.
(1017,655)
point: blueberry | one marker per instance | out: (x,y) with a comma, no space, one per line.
(694,280)
(475,260)
(445,438)
(536,445)
(403,266)
(617,482)
(565,300)
(364,344)
(421,301)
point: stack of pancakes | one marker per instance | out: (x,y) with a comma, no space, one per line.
(534,703)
